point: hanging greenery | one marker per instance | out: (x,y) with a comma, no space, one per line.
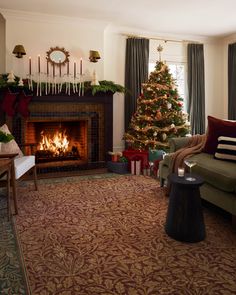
(105,86)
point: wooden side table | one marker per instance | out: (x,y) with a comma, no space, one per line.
(5,168)
(184,221)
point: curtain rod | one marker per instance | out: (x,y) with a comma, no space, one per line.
(160,39)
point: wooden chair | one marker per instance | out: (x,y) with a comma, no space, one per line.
(20,166)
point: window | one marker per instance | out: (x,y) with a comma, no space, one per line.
(178,71)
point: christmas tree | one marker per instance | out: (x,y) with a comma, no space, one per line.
(159,115)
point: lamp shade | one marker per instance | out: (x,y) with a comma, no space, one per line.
(94,56)
(19,51)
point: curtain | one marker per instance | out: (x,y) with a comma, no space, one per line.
(232,81)
(196,88)
(136,73)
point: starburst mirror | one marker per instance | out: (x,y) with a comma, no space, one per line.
(58,55)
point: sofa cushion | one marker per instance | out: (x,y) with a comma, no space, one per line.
(216,128)
(220,174)
(226,149)
(23,164)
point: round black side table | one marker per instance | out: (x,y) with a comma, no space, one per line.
(184,221)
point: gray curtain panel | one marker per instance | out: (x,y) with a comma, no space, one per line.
(232,81)
(196,88)
(136,72)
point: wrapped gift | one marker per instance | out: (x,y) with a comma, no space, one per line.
(137,155)
(136,167)
(117,167)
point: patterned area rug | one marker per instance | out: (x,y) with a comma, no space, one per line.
(11,270)
(106,236)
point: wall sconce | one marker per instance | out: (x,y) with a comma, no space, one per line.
(19,51)
(94,56)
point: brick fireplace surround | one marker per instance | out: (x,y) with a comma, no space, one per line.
(94,112)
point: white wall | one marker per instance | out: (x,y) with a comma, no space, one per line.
(39,32)
(214,86)
(2,45)
(114,69)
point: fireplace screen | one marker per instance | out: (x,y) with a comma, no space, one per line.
(56,141)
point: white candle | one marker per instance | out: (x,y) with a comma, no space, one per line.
(39,63)
(47,66)
(181,172)
(74,69)
(30,65)
(81,66)
(60,67)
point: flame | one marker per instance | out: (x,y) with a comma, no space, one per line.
(57,144)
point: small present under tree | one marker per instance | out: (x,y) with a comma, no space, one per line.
(159,115)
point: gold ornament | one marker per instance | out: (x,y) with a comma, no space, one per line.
(164,136)
(159,49)
(158,115)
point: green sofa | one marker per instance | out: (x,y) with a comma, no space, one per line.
(219,187)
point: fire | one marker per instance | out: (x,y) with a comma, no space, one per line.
(57,144)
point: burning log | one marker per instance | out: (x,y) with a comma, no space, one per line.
(56,148)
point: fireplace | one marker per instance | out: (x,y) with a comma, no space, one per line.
(59,141)
(85,122)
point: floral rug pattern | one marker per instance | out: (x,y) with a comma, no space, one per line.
(11,271)
(106,236)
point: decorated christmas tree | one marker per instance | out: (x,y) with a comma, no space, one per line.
(159,115)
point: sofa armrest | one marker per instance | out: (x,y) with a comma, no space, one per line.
(177,143)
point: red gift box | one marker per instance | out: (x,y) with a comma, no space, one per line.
(135,155)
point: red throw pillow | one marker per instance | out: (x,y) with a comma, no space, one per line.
(216,128)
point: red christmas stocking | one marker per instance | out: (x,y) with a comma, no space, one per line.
(23,104)
(8,104)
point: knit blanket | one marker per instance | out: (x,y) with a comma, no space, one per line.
(194,146)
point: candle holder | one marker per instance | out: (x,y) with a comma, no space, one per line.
(39,85)
(67,81)
(81,85)
(47,84)
(60,82)
(75,84)
(181,172)
(54,85)
(30,82)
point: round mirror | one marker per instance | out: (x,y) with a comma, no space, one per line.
(57,55)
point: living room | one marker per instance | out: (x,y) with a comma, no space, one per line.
(104,233)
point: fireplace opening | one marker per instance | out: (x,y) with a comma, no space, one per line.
(59,141)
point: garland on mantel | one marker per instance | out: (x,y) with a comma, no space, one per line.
(105,86)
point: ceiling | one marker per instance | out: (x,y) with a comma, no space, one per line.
(211,18)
